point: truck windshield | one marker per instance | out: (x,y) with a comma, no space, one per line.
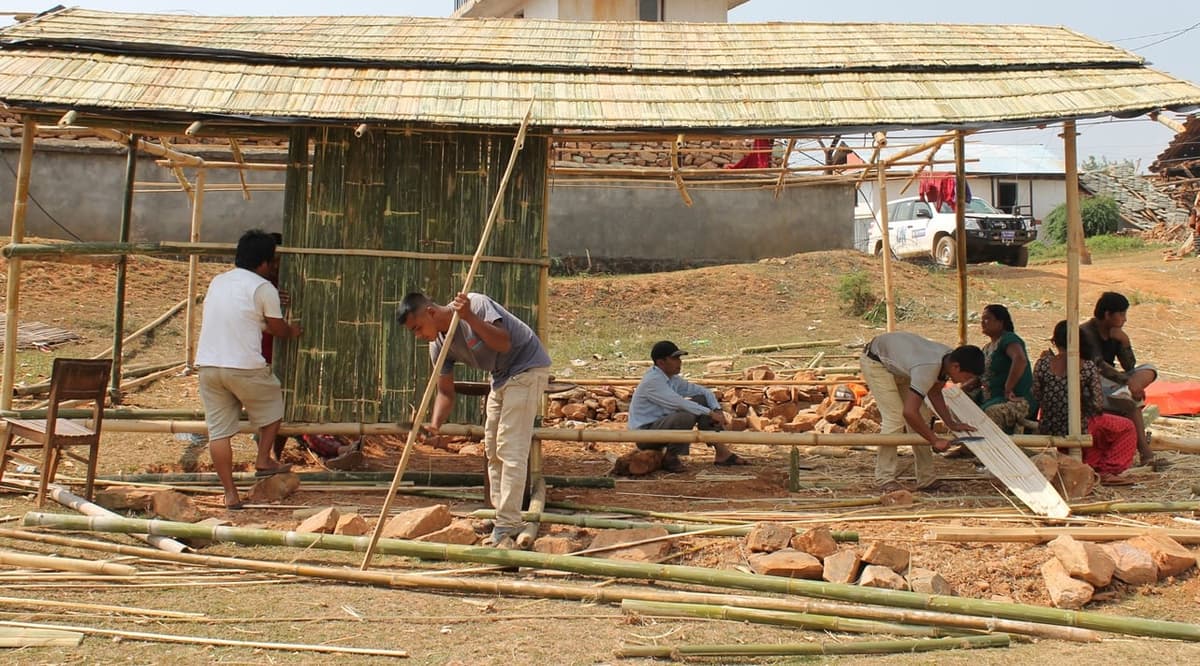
(976,205)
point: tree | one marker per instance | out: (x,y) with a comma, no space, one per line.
(1100,214)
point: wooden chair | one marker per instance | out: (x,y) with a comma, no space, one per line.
(71,379)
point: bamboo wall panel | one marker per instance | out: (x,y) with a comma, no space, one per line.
(409,192)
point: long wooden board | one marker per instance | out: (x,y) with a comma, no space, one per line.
(1002,458)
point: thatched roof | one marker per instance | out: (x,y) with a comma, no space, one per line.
(783,77)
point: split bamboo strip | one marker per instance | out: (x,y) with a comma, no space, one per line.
(765,349)
(65,564)
(580,593)
(620,569)
(849,647)
(21,602)
(204,640)
(419,414)
(239,166)
(13,286)
(615,524)
(811,621)
(1044,534)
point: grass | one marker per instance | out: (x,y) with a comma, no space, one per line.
(1097,245)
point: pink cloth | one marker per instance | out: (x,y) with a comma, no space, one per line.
(1114,441)
(760,158)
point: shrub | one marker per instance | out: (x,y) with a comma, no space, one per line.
(854,290)
(1100,214)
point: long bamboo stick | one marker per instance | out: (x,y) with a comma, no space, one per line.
(189,331)
(126,226)
(960,231)
(579,593)
(419,477)
(1074,241)
(1044,534)
(204,640)
(709,529)
(21,602)
(65,564)
(128,373)
(808,344)
(889,296)
(622,569)
(13,286)
(849,647)
(419,415)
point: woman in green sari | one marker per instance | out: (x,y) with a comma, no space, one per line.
(1006,387)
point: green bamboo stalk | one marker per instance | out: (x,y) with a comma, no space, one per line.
(618,524)
(40,251)
(762,349)
(421,478)
(1134,507)
(621,569)
(680,517)
(782,618)
(850,647)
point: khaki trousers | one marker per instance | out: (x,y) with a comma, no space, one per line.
(507,436)
(890,391)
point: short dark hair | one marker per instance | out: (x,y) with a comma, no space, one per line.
(1000,312)
(415,301)
(253,249)
(1110,301)
(969,359)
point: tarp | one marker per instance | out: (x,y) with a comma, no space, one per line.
(1174,398)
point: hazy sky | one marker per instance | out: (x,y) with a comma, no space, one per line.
(1158,31)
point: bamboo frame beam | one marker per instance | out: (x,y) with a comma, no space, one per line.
(177,171)
(162,319)
(189,332)
(1074,241)
(126,225)
(13,287)
(236,151)
(960,231)
(889,296)
(240,166)
(146,146)
(768,173)
(783,167)
(679,185)
(933,144)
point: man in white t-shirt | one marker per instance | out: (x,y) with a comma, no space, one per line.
(239,306)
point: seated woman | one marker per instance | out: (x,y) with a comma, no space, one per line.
(1006,387)
(1114,438)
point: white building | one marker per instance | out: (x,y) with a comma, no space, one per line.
(694,11)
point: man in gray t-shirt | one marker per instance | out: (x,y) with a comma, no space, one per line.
(490,338)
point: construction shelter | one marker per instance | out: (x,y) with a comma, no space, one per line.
(399,127)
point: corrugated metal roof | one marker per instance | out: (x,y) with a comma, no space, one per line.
(782,77)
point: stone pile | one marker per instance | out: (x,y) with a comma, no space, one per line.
(1079,568)
(693,154)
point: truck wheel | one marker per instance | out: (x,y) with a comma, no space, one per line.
(1018,257)
(945,253)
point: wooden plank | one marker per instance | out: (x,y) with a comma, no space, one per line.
(1002,458)
(21,637)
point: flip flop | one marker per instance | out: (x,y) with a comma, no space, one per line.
(282,469)
(732,460)
(1116,480)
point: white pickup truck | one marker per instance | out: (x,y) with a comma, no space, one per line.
(918,231)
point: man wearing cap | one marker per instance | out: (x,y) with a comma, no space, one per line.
(665,401)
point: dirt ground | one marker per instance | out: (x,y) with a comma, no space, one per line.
(597,324)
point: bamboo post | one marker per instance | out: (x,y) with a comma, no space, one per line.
(1074,242)
(419,416)
(114,391)
(960,231)
(783,167)
(13,288)
(189,335)
(889,297)
(27,561)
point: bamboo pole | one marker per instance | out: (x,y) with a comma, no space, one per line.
(709,529)
(424,478)
(889,296)
(189,332)
(13,287)
(203,640)
(239,166)
(27,561)
(960,231)
(810,621)
(1074,241)
(783,167)
(114,391)
(589,593)
(932,144)
(622,569)
(149,148)
(419,416)
(763,349)
(1044,534)
(20,602)
(162,319)
(129,373)
(848,647)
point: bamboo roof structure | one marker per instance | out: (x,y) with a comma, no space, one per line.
(642,76)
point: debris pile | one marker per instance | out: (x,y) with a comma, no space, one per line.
(1079,568)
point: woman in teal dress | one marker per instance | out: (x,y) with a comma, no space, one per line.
(1006,387)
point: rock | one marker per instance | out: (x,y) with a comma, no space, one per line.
(752,420)
(779,394)
(1071,478)
(459,532)
(841,567)
(752,397)
(883,555)
(1131,564)
(646,552)
(557,544)
(124,498)
(856,413)
(322,522)
(784,411)
(718,366)
(637,463)
(172,505)
(874,575)
(896,498)
(204,542)
(274,488)
(575,412)
(610,405)
(817,542)
(301,514)
(473,449)
(824,427)
(926,581)
(1169,557)
(758,373)
(351,524)
(787,563)
(768,537)
(1083,560)
(834,411)
(828,451)
(348,460)
(864,425)
(1065,592)
(418,522)
(554,410)
(802,422)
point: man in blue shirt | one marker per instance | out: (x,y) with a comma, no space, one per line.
(665,401)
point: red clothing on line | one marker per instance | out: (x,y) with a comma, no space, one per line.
(760,158)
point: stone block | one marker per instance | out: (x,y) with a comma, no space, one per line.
(351,524)
(557,544)
(124,498)
(172,505)
(842,567)
(274,488)
(1065,592)
(926,581)
(418,522)
(883,555)
(1131,564)
(817,542)
(1083,560)
(646,552)
(875,575)
(787,563)
(322,522)
(459,532)
(1169,556)
(768,537)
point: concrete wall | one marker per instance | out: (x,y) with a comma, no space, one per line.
(81,189)
(722,225)
(696,11)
